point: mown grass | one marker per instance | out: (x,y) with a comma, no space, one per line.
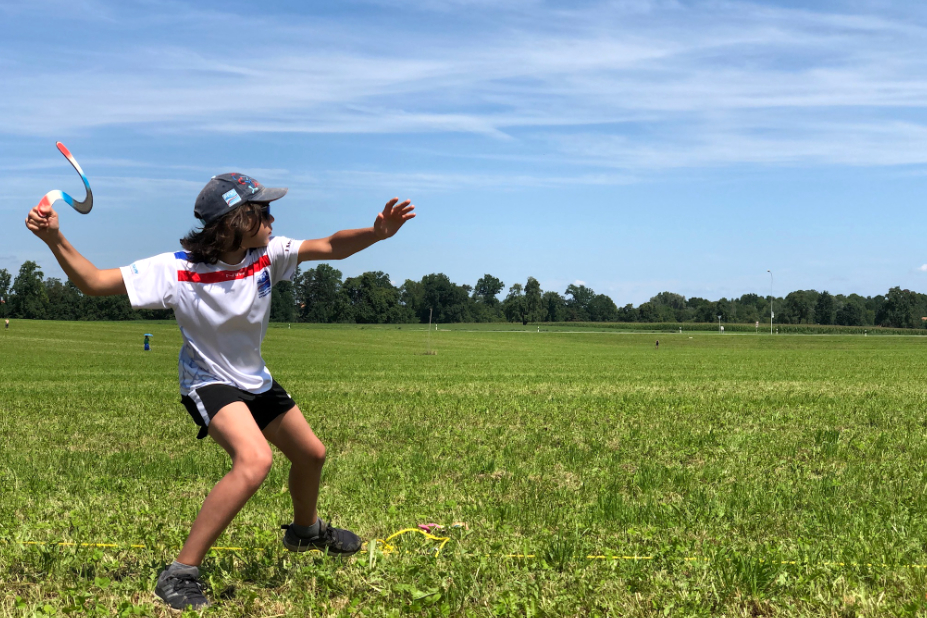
(749,475)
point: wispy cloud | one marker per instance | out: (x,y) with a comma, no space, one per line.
(444,182)
(636,85)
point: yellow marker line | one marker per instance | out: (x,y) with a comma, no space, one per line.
(619,557)
(388,548)
(74,544)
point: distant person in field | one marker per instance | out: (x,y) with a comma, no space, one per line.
(7,325)
(220,289)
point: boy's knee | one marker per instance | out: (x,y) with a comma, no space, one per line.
(312,455)
(254,465)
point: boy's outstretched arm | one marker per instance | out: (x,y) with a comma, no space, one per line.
(348,242)
(88,278)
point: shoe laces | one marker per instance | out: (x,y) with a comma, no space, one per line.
(187,584)
(326,531)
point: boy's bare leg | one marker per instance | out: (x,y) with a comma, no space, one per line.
(234,429)
(292,435)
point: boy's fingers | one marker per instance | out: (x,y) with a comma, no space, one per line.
(42,214)
(400,209)
(38,220)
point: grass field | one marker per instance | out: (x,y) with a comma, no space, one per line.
(738,475)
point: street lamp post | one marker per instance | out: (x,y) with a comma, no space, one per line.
(719,324)
(771,314)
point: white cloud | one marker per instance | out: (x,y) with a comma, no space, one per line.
(923,268)
(637,85)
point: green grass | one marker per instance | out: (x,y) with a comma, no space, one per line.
(756,475)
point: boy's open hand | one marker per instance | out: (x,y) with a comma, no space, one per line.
(394,214)
(43,223)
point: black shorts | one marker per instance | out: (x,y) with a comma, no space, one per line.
(205,402)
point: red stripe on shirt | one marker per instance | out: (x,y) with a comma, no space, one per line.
(223,275)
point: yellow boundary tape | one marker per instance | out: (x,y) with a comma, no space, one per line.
(388,548)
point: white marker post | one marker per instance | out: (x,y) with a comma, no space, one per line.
(771,314)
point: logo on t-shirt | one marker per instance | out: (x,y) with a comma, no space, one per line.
(263,284)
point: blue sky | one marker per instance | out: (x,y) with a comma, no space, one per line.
(634,146)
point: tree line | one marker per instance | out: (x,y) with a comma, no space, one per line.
(323,295)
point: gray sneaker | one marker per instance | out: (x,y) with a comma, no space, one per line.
(332,540)
(181,588)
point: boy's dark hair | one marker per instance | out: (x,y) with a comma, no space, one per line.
(224,234)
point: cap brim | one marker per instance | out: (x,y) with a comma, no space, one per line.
(267,194)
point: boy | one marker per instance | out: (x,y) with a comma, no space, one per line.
(219,289)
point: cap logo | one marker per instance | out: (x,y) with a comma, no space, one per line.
(248,181)
(231,197)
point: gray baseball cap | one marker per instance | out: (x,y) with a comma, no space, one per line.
(225,192)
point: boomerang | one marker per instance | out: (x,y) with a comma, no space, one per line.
(53,196)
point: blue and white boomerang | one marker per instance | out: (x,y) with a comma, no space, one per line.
(53,196)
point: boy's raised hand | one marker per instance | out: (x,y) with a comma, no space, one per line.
(42,223)
(394,214)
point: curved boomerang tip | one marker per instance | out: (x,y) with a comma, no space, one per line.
(82,207)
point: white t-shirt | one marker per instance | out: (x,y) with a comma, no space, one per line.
(222,310)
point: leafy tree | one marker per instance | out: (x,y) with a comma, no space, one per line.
(450,302)
(900,309)
(777,308)
(481,312)
(534,309)
(514,305)
(670,307)
(753,300)
(487,289)
(648,312)
(283,302)
(628,314)
(412,297)
(602,309)
(64,300)
(864,303)
(697,309)
(825,309)
(724,308)
(752,308)
(873,306)
(851,313)
(578,302)
(5,280)
(107,308)
(374,299)
(706,312)
(554,307)
(695,302)
(318,295)
(799,308)
(29,299)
